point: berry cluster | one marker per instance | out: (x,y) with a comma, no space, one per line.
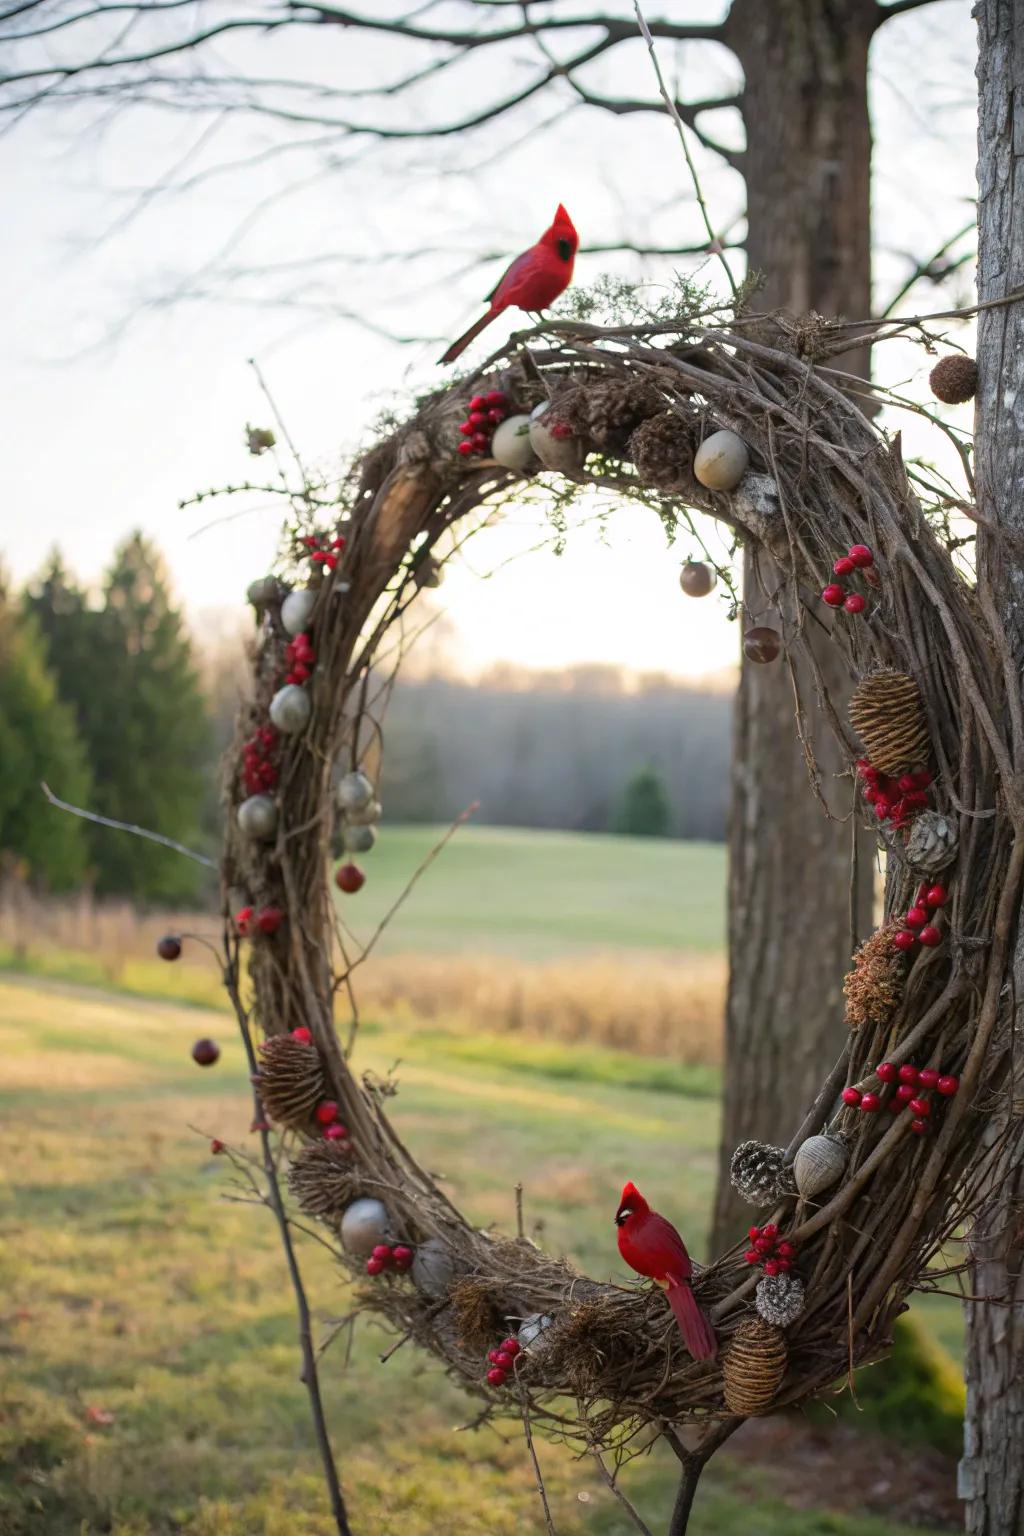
(267,920)
(916,927)
(389,1256)
(895,800)
(257,769)
(326,1114)
(766,1249)
(301,659)
(485,413)
(857,558)
(502,1360)
(911,1086)
(321,552)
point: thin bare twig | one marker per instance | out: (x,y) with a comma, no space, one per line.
(127,826)
(525,1408)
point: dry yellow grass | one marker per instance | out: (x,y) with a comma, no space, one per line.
(629,999)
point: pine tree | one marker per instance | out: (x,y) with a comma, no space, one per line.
(40,743)
(644,810)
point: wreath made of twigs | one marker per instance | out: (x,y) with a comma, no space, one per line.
(869,1204)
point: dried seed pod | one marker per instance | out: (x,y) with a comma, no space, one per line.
(887,713)
(875,985)
(321,1179)
(932,842)
(291,1080)
(779,1299)
(820,1162)
(954,379)
(754,1366)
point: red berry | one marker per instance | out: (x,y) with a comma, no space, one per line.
(903,940)
(269,919)
(866,768)
(875,797)
(947,1086)
(299,674)
(492,1355)
(479,441)
(904,1093)
(870,1103)
(402,1256)
(751,1256)
(478,403)
(477,419)
(882,809)
(169,947)
(922,778)
(260,1125)
(496,397)
(496,1376)
(320,558)
(267,735)
(928,1077)
(844,566)
(339,542)
(771,1266)
(466,428)
(905,783)
(205,1052)
(243,918)
(936,896)
(375,1266)
(511,1347)
(861,555)
(764,1245)
(504,1361)
(851,1096)
(465,447)
(303,1035)
(855,603)
(753,1232)
(382,1251)
(921,1108)
(310,541)
(349,878)
(784,1265)
(930,937)
(887,1071)
(909,1074)
(916,917)
(833,594)
(919,1127)
(786,1251)
(495,416)
(336,1132)
(216,1145)
(770,1230)
(326,1112)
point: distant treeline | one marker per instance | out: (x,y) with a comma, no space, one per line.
(550,752)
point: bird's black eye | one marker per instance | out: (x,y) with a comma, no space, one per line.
(565,249)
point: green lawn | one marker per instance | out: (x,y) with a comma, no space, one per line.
(539,894)
(148,1376)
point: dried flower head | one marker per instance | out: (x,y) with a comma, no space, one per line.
(291,1080)
(662,450)
(322,1179)
(954,379)
(875,985)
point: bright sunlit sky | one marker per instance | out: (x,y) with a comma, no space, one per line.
(116,402)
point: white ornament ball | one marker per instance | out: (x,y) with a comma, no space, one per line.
(367,817)
(531,1330)
(265,590)
(297,610)
(359,839)
(257,817)
(290,709)
(819,1163)
(364,1224)
(563,454)
(355,792)
(721,461)
(511,446)
(433,1268)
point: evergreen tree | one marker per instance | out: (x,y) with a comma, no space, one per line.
(644,810)
(40,742)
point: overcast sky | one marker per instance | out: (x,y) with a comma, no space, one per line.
(116,403)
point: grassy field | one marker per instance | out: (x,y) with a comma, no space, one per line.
(149,1365)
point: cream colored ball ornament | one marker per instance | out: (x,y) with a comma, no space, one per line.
(721,461)
(290,709)
(563,454)
(511,446)
(820,1162)
(297,610)
(257,817)
(365,1223)
(355,792)
(359,839)
(367,817)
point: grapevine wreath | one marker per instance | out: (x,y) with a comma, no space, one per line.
(749,424)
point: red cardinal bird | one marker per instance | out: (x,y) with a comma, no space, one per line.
(533,281)
(652,1246)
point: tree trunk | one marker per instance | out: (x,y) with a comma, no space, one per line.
(992,1470)
(808,166)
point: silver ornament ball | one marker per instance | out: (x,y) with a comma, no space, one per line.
(257,817)
(354,792)
(297,610)
(290,709)
(364,1224)
(433,1268)
(359,839)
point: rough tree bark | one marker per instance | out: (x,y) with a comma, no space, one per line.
(808,170)
(992,1470)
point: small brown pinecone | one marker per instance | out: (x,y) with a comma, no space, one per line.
(662,450)
(888,716)
(291,1080)
(321,1179)
(954,379)
(875,985)
(754,1366)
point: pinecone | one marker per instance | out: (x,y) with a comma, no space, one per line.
(932,842)
(321,1179)
(954,379)
(291,1080)
(888,716)
(754,1366)
(875,985)
(662,450)
(779,1299)
(758,1172)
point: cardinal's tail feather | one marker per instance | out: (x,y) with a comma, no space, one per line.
(458,347)
(698,1334)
